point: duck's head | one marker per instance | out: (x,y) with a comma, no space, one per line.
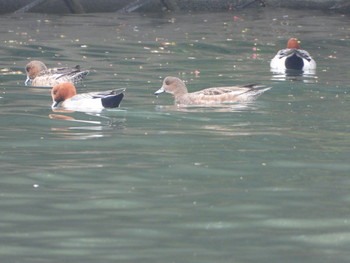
(293,43)
(172,85)
(33,69)
(62,92)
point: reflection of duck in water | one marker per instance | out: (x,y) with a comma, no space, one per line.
(64,96)
(39,75)
(293,58)
(210,96)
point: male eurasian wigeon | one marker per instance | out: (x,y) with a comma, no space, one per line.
(64,96)
(293,58)
(39,75)
(209,96)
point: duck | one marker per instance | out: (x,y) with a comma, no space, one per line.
(41,76)
(294,58)
(64,96)
(209,96)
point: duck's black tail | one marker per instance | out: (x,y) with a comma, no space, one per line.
(112,101)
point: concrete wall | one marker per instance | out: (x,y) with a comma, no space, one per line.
(88,6)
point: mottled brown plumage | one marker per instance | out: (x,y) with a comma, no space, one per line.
(210,96)
(39,75)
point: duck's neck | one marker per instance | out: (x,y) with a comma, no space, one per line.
(181,89)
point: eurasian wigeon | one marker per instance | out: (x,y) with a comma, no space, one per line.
(293,57)
(39,75)
(64,96)
(209,96)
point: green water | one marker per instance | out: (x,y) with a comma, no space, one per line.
(267,181)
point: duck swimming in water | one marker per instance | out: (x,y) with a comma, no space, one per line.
(39,75)
(209,96)
(293,58)
(64,96)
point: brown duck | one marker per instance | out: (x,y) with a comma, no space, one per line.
(39,75)
(210,96)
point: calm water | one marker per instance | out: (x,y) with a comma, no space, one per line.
(267,181)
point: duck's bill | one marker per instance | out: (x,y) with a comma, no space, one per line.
(28,81)
(54,105)
(160,91)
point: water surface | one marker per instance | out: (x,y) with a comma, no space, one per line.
(266,181)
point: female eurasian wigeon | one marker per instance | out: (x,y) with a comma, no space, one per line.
(64,96)
(39,75)
(210,96)
(293,58)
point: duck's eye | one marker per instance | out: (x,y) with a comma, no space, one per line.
(167,82)
(28,68)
